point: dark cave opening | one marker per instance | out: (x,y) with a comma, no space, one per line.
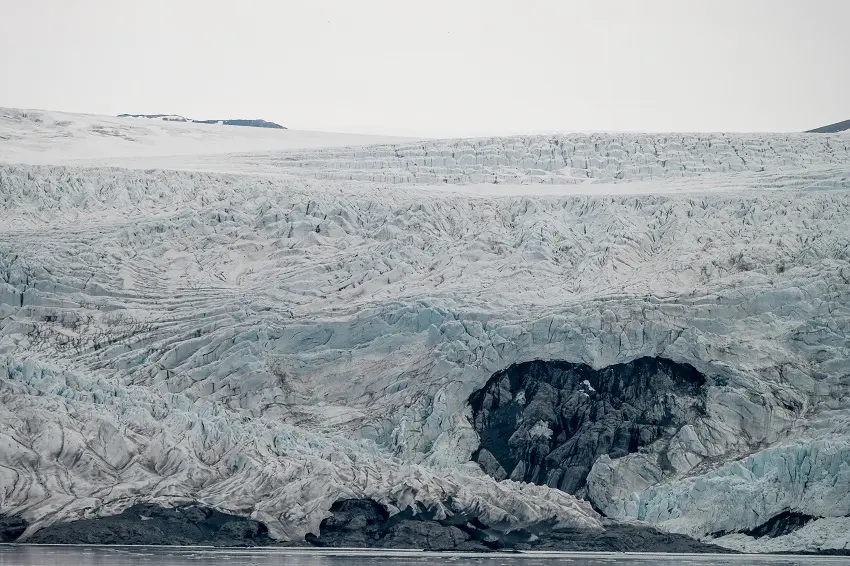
(546,422)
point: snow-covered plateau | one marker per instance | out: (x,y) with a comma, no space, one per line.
(270,321)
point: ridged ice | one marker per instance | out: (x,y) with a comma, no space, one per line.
(269,343)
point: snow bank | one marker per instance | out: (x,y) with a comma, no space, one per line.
(37,136)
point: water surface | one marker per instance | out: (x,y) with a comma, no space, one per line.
(12,555)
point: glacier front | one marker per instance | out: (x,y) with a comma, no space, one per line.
(269,333)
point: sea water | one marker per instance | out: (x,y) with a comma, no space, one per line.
(23,555)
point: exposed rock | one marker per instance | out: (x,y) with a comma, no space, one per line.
(254,123)
(356,514)
(620,538)
(429,535)
(548,422)
(780,525)
(152,524)
(832,128)
(365,523)
(490,465)
(11,528)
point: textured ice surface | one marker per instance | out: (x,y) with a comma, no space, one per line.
(567,158)
(829,533)
(269,343)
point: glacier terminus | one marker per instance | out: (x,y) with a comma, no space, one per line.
(582,331)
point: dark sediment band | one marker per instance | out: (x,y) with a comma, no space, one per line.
(365,523)
(151,524)
(361,523)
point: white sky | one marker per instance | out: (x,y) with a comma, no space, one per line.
(437,68)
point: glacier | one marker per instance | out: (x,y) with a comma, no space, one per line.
(268,325)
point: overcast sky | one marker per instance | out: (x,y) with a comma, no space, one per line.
(437,68)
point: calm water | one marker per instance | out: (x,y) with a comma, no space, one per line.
(11,555)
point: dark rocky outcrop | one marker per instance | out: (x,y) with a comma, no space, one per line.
(832,128)
(253,123)
(547,422)
(621,538)
(361,523)
(780,525)
(366,524)
(11,528)
(152,524)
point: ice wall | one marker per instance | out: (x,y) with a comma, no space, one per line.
(270,344)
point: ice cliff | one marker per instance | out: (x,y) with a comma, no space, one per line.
(277,335)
